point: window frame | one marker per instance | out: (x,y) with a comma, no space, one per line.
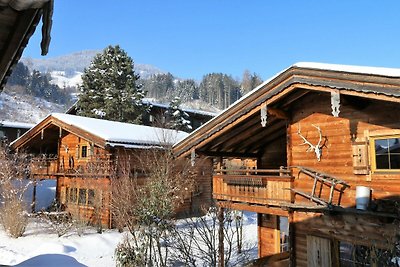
(84,148)
(372,140)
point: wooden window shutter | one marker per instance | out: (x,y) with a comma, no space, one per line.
(360,158)
(78,150)
(91,150)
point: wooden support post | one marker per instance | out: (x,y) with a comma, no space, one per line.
(33,206)
(292,258)
(221,258)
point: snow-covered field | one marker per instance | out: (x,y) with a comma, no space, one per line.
(40,247)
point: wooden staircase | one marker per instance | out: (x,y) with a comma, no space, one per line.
(321,179)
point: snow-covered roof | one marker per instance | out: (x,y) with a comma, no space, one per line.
(122,134)
(148,101)
(14,124)
(388,72)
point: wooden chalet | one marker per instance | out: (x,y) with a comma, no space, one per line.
(10,130)
(84,154)
(156,114)
(18,21)
(325,183)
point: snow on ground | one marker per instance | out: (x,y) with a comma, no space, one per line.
(45,194)
(61,79)
(39,247)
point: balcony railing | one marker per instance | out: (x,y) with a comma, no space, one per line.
(44,166)
(50,167)
(266,187)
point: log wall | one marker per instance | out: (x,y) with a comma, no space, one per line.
(95,212)
(357,122)
(340,133)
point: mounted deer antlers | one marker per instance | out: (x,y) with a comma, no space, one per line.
(316,148)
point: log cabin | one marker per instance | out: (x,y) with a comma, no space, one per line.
(11,130)
(325,183)
(155,115)
(85,154)
(18,21)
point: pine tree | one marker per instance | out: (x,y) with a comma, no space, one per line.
(20,75)
(187,90)
(178,119)
(110,89)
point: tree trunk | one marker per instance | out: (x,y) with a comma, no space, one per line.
(221,259)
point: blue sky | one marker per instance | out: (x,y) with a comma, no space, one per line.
(193,38)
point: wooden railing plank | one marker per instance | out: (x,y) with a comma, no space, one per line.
(258,188)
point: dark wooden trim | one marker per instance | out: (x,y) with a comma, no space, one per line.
(227,154)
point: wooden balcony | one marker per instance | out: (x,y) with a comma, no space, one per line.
(45,167)
(262,187)
(51,167)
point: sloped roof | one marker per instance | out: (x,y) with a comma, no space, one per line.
(370,82)
(16,124)
(104,132)
(18,21)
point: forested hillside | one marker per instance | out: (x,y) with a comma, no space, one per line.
(216,90)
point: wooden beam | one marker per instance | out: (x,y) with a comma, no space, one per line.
(254,140)
(277,113)
(17,39)
(227,154)
(253,208)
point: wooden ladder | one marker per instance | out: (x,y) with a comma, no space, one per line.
(323,179)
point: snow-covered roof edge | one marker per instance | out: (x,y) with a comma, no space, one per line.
(381,71)
(16,124)
(166,106)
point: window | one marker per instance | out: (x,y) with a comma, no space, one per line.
(90,197)
(351,255)
(82,196)
(284,233)
(386,153)
(73,195)
(84,152)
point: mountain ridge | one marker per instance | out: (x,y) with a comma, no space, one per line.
(76,62)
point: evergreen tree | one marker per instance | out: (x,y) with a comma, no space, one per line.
(110,89)
(160,86)
(187,90)
(19,76)
(177,118)
(219,90)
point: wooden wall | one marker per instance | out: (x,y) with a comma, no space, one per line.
(357,120)
(274,155)
(69,155)
(357,230)
(195,202)
(269,234)
(101,189)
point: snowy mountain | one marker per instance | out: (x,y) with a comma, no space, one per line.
(24,108)
(67,70)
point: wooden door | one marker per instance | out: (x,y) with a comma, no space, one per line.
(318,252)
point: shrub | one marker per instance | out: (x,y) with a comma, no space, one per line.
(13,218)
